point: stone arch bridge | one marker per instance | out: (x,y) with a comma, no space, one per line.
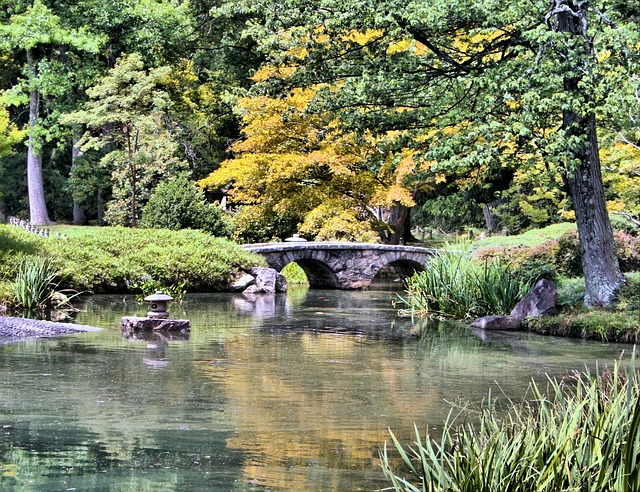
(342,265)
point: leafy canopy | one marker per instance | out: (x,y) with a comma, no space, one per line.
(298,164)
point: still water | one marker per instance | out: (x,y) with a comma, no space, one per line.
(291,392)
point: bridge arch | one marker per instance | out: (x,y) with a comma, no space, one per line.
(403,268)
(318,273)
(339,265)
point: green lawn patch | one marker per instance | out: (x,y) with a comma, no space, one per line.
(527,239)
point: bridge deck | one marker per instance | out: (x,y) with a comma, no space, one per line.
(332,245)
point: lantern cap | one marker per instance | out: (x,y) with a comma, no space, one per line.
(158,296)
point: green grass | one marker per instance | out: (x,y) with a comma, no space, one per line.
(105,259)
(527,239)
(578,434)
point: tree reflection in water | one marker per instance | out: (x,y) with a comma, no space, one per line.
(285,392)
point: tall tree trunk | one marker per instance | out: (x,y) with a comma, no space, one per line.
(134,191)
(100,210)
(489,218)
(600,266)
(132,148)
(79,215)
(395,219)
(35,182)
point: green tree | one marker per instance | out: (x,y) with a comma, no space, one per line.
(10,135)
(475,85)
(42,36)
(132,104)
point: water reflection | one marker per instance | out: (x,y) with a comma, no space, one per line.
(274,393)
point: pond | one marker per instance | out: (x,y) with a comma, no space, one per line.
(290,392)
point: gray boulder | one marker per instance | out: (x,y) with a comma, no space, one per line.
(241,281)
(540,301)
(281,283)
(502,323)
(265,279)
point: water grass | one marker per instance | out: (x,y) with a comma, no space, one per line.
(454,285)
(581,434)
(35,282)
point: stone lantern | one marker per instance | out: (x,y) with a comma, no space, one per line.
(158,302)
(296,239)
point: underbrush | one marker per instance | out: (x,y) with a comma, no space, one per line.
(294,274)
(582,433)
(105,259)
(554,251)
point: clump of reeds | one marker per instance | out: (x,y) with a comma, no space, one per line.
(454,285)
(35,283)
(583,436)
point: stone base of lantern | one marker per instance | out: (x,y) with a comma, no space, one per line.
(134,324)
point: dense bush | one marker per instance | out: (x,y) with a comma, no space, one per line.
(568,257)
(579,434)
(14,245)
(179,204)
(105,259)
(532,263)
(294,274)
(261,224)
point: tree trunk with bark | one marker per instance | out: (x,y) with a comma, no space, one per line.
(79,215)
(38,214)
(395,217)
(600,266)
(100,208)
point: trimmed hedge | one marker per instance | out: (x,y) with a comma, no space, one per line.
(104,259)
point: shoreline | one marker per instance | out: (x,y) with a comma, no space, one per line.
(21,329)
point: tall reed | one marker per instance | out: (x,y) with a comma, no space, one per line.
(455,285)
(583,436)
(35,282)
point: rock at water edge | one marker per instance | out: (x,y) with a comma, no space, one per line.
(539,301)
(502,323)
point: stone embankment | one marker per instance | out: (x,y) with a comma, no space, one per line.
(15,329)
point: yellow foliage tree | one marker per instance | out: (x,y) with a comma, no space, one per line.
(295,171)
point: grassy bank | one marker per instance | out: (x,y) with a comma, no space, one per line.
(619,323)
(458,283)
(107,259)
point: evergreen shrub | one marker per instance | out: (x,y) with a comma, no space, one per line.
(179,204)
(560,256)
